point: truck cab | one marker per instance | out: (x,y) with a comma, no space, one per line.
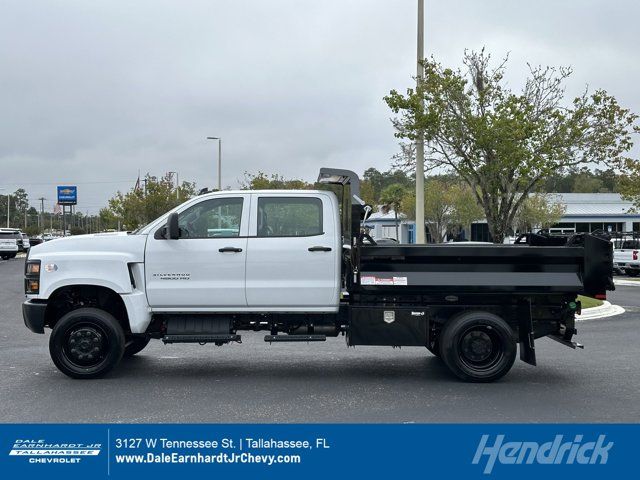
(241,251)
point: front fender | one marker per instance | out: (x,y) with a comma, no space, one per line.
(104,270)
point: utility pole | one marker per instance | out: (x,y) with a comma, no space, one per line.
(41,216)
(8,204)
(219,160)
(420,234)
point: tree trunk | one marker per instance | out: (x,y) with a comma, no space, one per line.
(395,211)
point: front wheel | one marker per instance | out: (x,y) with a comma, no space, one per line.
(633,273)
(478,346)
(86,343)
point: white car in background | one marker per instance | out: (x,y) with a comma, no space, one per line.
(26,244)
(626,255)
(9,243)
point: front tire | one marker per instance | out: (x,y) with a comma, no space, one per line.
(478,346)
(86,343)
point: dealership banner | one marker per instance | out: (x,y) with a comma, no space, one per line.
(320,451)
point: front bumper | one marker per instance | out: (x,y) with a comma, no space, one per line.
(33,314)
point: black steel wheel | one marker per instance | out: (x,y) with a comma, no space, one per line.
(86,343)
(135,344)
(478,346)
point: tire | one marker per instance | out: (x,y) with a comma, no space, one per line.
(77,335)
(135,344)
(5,257)
(478,346)
(633,273)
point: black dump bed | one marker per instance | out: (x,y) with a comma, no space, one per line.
(579,264)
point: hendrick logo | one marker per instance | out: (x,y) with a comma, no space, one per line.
(555,452)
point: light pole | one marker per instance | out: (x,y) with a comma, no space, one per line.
(420,234)
(219,160)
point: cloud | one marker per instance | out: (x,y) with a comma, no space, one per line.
(94,91)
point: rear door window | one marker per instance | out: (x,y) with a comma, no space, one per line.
(289,217)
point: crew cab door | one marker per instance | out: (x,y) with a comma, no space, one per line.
(293,252)
(205,268)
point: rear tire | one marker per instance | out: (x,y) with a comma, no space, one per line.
(478,346)
(135,344)
(86,343)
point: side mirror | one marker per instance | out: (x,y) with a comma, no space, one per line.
(173,231)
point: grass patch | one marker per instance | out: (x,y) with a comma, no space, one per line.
(588,302)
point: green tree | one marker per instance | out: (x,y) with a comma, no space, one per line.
(140,206)
(448,207)
(538,211)
(392,198)
(502,143)
(262,181)
(373,182)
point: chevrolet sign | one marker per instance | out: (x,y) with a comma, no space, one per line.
(67,195)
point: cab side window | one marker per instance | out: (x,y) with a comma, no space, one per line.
(214,218)
(289,217)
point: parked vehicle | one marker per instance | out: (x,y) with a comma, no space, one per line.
(286,263)
(33,241)
(26,244)
(626,253)
(9,243)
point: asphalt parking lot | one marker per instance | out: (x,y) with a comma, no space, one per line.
(324,382)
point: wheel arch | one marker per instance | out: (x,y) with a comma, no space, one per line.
(71,297)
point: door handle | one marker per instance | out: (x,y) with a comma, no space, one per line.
(230,249)
(319,249)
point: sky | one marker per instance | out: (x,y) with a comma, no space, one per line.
(93,92)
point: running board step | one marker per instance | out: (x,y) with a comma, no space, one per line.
(295,338)
(200,338)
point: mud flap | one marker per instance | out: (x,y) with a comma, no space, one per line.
(525,333)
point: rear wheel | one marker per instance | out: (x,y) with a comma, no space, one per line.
(86,343)
(135,344)
(478,346)
(633,273)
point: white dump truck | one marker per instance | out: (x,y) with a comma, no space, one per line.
(298,266)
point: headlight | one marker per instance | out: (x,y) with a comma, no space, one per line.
(32,277)
(33,267)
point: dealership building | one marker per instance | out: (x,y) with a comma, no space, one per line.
(584,212)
